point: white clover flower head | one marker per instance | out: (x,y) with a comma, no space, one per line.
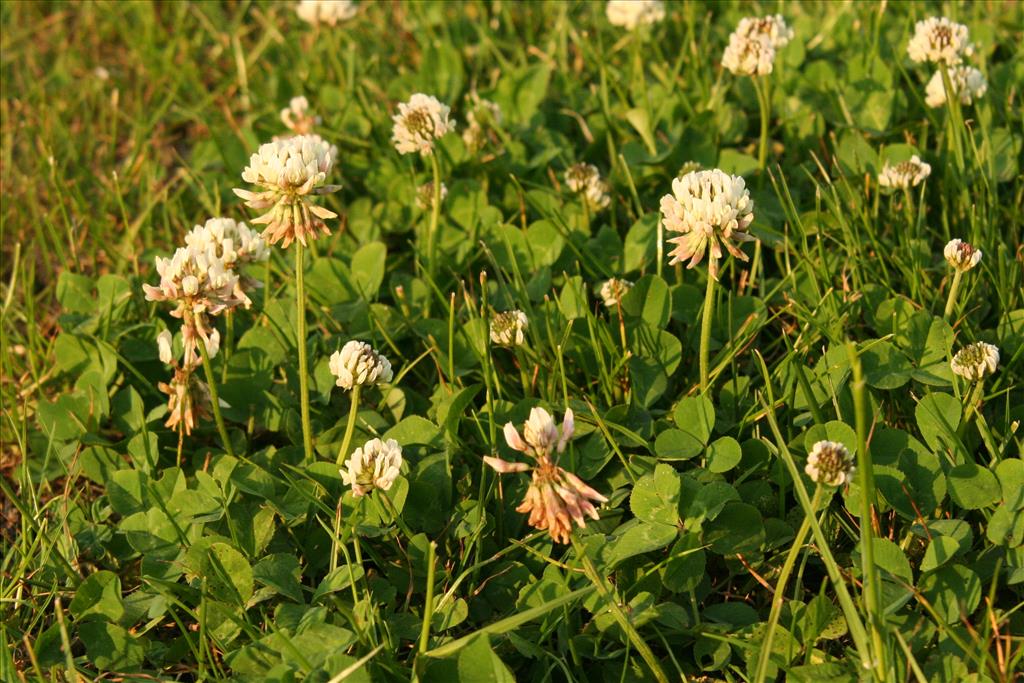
(328,12)
(541,436)
(290,170)
(966,81)
(612,291)
(418,123)
(709,209)
(629,14)
(830,463)
(771,29)
(940,41)
(425,195)
(975,361)
(586,180)
(232,241)
(358,364)
(960,255)
(905,174)
(163,345)
(747,56)
(507,328)
(482,116)
(298,118)
(374,466)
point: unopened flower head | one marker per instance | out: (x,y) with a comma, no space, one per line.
(960,255)
(298,118)
(967,82)
(939,40)
(630,14)
(709,209)
(585,179)
(830,463)
(290,171)
(419,122)
(904,174)
(507,328)
(976,361)
(358,364)
(482,117)
(613,289)
(556,497)
(771,29)
(328,12)
(374,466)
(425,196)
(188,400)
(747,56)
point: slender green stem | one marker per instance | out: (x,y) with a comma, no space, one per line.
(955,117)
(764,104)
(780,589)
(872,596)
(428,605)
(951,299)
(229,342)
(613,605)
(211,381)
(300,342)
(971,407)
(353,412)
(435,214)
(707,313)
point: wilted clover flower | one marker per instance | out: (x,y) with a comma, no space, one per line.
(612,291)
(632,13)
(375,465)
(904,174)
(556,497)
(976,361)
(425,196)
(418,123)
(960,255)
(709,208)
(326,11)
(939,40)
(771,29)
(966,82)
(830,463)
(483,115)
(298,118)
(188,400)
(290,171)
(357,364)
(746,56)
(507,328)
(586,180)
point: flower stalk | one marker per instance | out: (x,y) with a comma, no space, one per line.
(707,313)
(211,381)
(351,425)
(300,342)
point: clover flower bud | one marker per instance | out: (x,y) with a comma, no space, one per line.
(358,364)
(976,361)
(830,463)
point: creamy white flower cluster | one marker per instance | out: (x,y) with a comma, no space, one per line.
(507,328)
(976,361)
(425,195)
(905,174)
(967,83)
(375,465)
(328,12)
(940,41)
(419,123)
(752,46)
(629,14)
(960,255)
(358,364)
(585,179)
(612,291)
(709,209)
(230,240)
(830,463)
(289,170)
(483,115)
